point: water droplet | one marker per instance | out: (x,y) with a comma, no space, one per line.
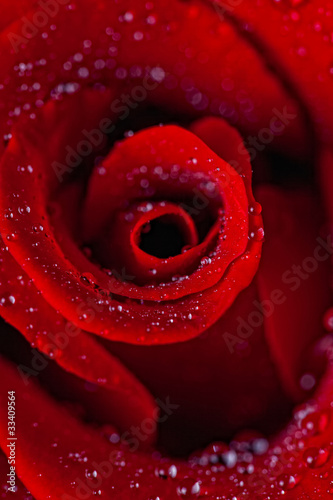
(50,350)
(138,35)
(88,279)
(214,451)
(128,17)
(255,208)
(258,234)
(83,72)
(12,237)
(172,471)
(188,488)
(7,300)
(259,446)
(229,458)
(161,472)
(205,261)
(307,382)
(6,139)
(316,423)
(158,74)
(288,481)
(9,214)
(91,474)
(316,457)
(151,19)
(24,210)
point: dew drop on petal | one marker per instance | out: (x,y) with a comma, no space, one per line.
(7,300)
(214,451)
(24,210)
(255,208)
(51,351)
(161,473)
(316,422)
(307,381)
(316,457)
(188,488)
(288,481)
(88,279)
(258,234)
(172,471)
(128,16)
(91,474)
(259,446)
(229,459)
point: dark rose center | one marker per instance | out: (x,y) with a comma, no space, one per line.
(165,237)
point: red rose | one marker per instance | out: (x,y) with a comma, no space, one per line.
(131,249)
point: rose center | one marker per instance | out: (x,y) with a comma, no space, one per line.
(166,236)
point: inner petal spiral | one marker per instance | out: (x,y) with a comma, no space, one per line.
(166,163)
(167,235)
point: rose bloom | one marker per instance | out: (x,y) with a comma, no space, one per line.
(165,255)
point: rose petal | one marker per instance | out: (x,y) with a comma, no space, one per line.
(62,281)
(180,61)
(60,460)
(73,349)
(295,42)
(292,280)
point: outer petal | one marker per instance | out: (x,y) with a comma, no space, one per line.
(169,43)
(67,459)
(297,42)
(20,492)
(55,452)
(293,282)
(122,398)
